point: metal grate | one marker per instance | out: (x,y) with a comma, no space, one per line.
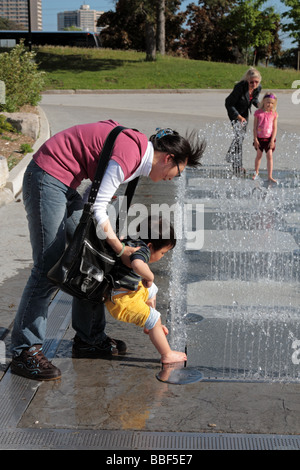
(17,392)
(49,439)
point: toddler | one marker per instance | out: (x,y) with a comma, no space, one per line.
(265,130)
(135,300)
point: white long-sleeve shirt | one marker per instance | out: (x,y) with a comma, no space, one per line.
(113,178)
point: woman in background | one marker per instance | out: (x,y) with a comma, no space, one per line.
(238,104)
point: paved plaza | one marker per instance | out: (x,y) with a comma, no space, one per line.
(230,296)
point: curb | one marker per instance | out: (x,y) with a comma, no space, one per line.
(147,91)
(15,179)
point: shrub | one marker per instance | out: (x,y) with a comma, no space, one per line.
(23,81)
(26,148)
(5,126)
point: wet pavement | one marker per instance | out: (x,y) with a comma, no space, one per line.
(120,403)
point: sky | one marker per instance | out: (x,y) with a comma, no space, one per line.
(52,7)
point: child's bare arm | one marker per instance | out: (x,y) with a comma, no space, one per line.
(143,270)
(274,133)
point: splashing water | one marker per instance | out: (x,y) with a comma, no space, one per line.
(235,301)
(178,305)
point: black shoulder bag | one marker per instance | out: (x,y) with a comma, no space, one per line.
(85,268)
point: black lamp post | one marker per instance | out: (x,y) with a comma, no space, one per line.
(29,25)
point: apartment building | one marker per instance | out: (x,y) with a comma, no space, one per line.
(17,11)
(84,18)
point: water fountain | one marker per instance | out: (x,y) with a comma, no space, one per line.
(239,314)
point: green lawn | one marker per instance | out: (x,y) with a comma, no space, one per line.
(77,68)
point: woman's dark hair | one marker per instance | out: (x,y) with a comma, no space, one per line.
(160,232)
(188,148)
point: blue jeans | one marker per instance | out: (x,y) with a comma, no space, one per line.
(53,212)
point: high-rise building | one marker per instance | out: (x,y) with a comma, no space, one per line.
(17,11)
(84,18)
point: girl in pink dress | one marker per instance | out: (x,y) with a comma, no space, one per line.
(265,130)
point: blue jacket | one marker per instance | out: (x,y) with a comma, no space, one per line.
(238,102)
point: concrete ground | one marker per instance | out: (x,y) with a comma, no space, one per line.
(123,396)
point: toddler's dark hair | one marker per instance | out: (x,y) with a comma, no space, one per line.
(160,232)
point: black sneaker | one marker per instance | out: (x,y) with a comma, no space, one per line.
(108,348)
(32,364)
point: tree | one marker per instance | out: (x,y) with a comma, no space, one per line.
(6,24)
(72,28)
(293,26)
(273,49)
(131,26)
(206,36)
(161,26)
(149,10)
(142,25)
(252,28)
(123,28)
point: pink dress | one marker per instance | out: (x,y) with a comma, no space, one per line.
(265,122)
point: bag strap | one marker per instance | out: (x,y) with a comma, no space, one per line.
(102,165)
(103,161)
(128,198)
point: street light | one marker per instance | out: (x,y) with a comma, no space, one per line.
(29,25)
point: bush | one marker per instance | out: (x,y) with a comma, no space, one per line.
(23,81)
(5,126)
(26,148)
(288,59)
